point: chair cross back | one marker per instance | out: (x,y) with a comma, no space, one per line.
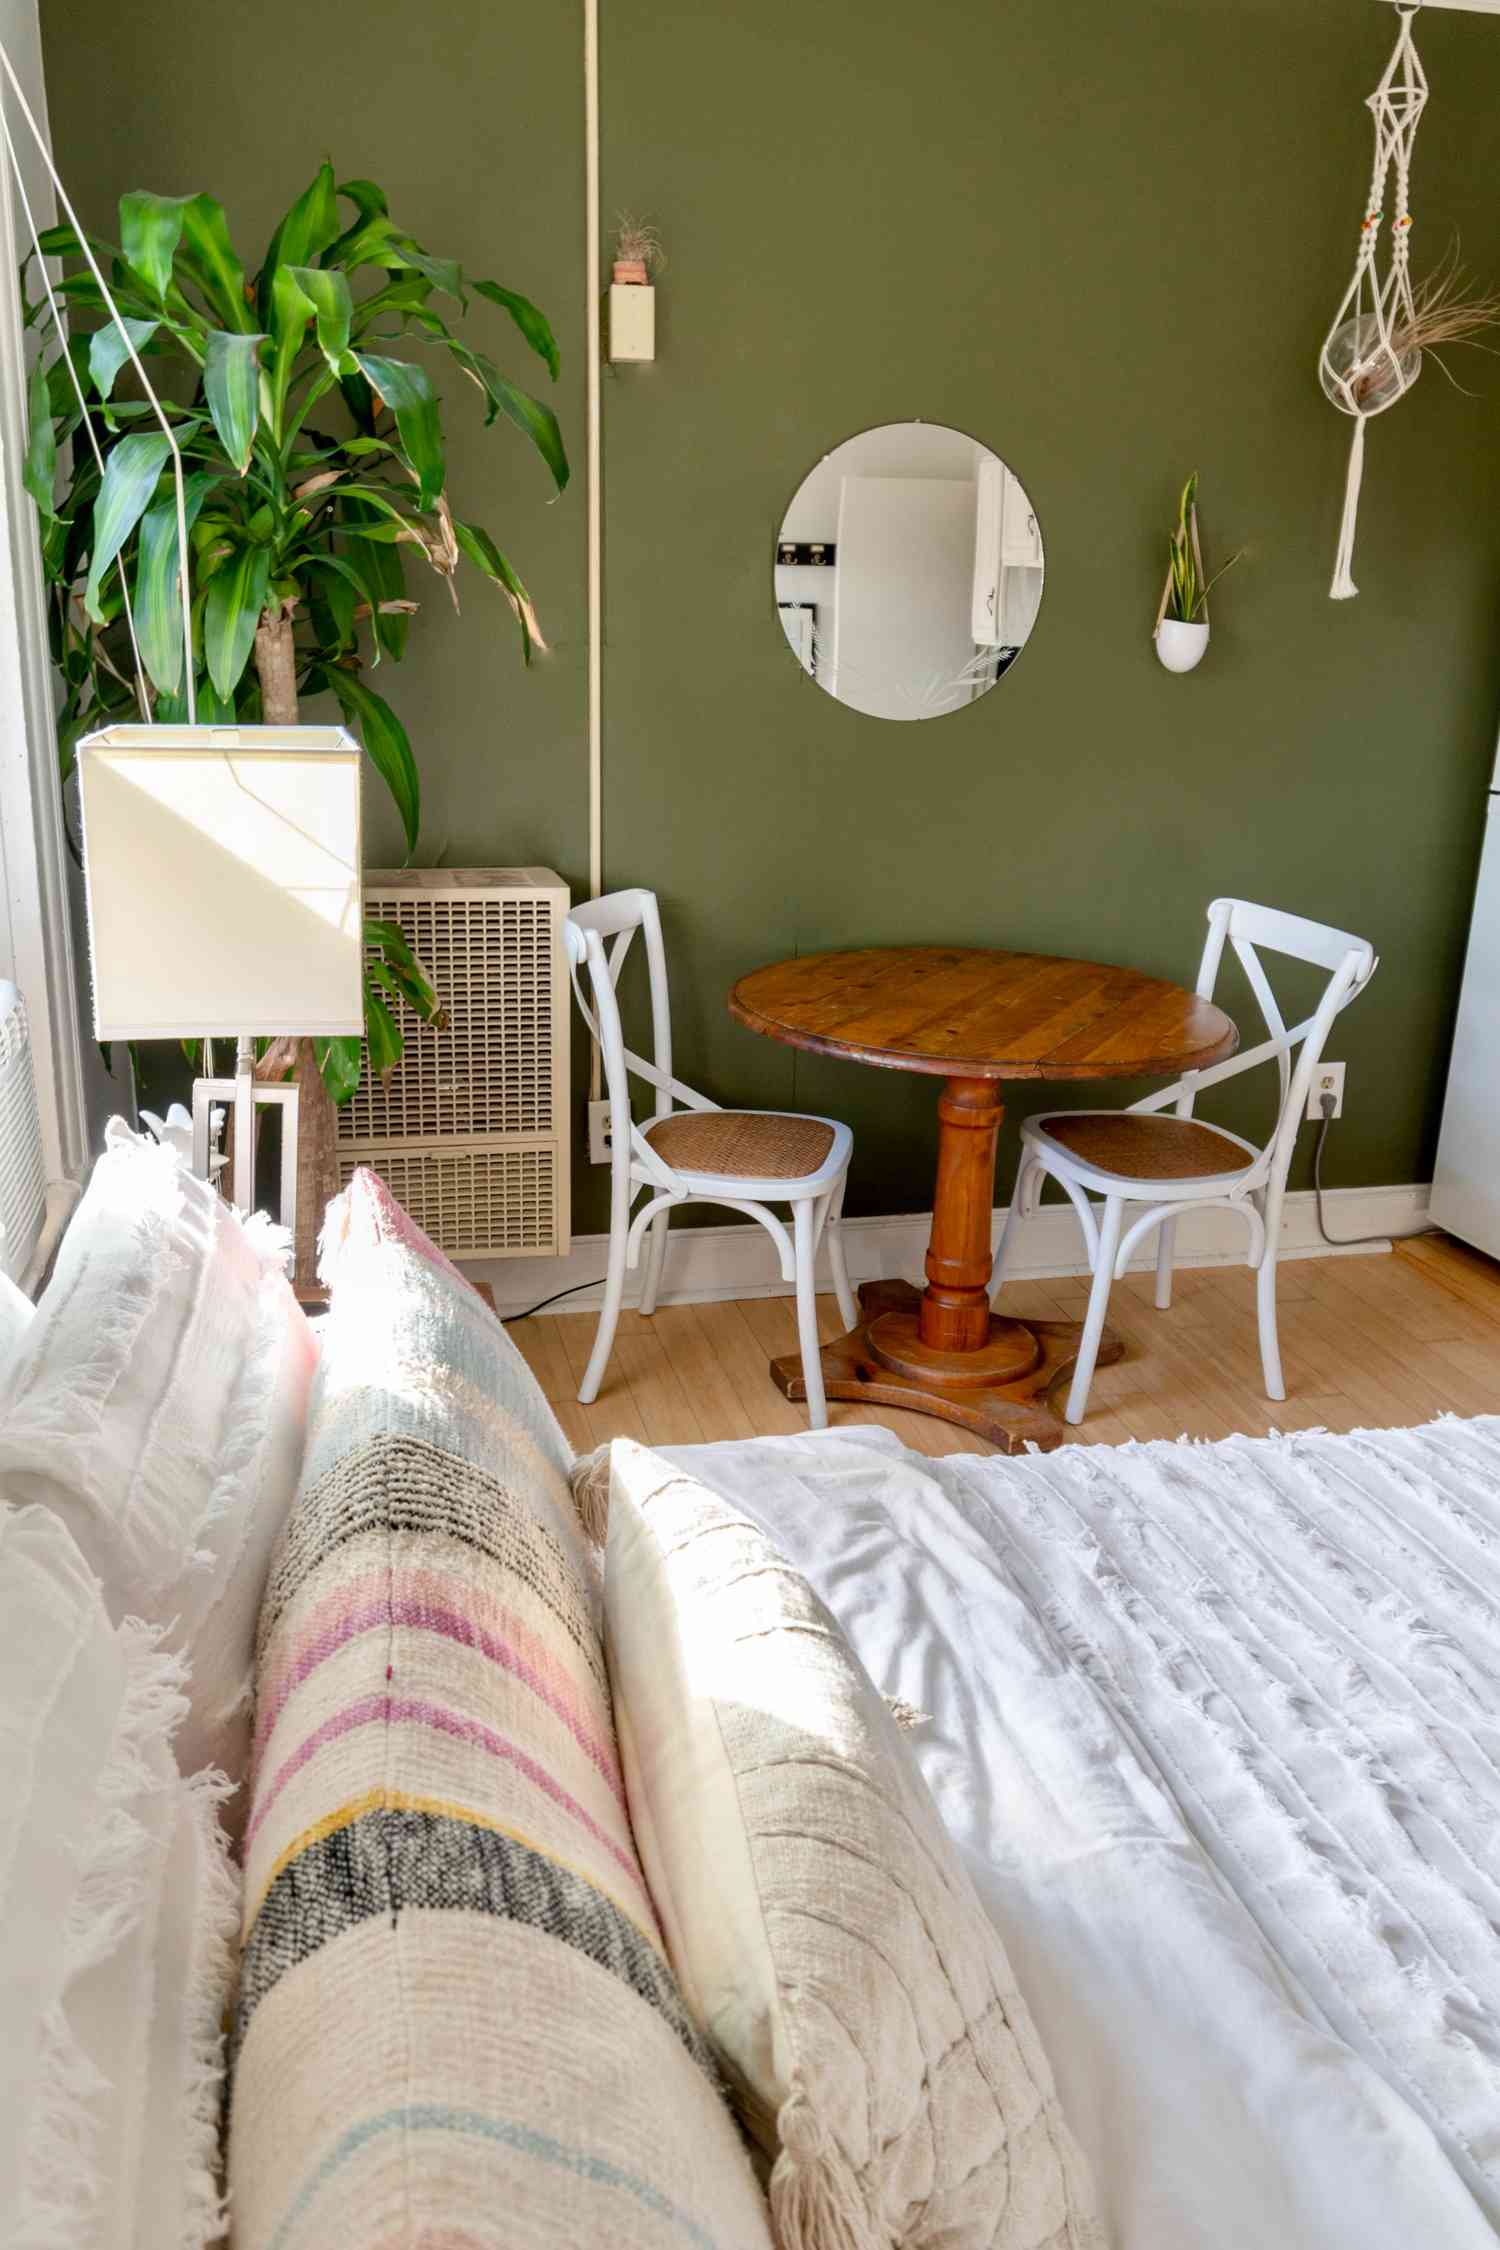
(598,937)
(1243,927)
(1238,1176)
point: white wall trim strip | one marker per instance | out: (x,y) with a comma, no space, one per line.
(708,1263)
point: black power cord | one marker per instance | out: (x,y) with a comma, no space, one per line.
(1345,1241)
(557,1295)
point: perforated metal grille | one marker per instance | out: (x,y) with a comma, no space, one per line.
(23,1181)
(490,1069)
(474,1203)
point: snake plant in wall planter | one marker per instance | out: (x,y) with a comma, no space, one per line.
(1182,621)
(305,400)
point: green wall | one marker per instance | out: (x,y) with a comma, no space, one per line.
(1106,241)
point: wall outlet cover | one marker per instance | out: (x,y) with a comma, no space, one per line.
(601,1147)
(1328,1078)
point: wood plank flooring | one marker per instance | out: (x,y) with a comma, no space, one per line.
(1365,1342)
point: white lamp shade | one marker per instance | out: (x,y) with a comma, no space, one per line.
(223,874)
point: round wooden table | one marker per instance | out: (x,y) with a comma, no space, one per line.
(972,1019)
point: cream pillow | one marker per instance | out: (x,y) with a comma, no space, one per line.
(821,1924)
(117,1918)
(157,1402)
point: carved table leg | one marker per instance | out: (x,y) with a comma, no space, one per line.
(944,1352)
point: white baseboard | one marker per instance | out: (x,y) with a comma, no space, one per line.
(707,1263)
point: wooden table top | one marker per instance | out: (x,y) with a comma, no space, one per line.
(956,1012)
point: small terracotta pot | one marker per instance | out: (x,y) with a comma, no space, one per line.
(630,269)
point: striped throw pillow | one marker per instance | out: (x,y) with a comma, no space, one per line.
(457,2024)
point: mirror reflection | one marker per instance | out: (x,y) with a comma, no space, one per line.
(908,571)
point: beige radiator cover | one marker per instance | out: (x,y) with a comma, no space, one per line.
(470,1131)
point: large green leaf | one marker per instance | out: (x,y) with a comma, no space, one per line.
(382,569)
(108,352)
(360,400)
(39,472)
(213,709)
(327,294)
(533,324)
(231,384)
(529,414)
(150,230)
(480,548)
(342,1062)
(383,1041)
(404,984)
(158,593)
(130,476)
(336,592)
(443,273)
(308,228)
(236,597)
(408,391)
(392,941)
(291,310)
(368,199)
(209,256)
(56,242)
(386,746)
(210,709)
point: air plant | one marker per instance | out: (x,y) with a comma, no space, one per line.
(1446,309)
(638,249)
(1187,589)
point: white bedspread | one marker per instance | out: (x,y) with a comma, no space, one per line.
(1218,1728)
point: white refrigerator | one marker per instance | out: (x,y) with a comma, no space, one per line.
(1466,1183)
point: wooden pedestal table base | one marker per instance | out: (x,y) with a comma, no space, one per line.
(983,1391)
(972,1018)
(942,1351)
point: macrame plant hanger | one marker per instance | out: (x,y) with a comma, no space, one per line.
(1364,364)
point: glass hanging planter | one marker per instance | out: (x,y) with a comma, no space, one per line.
(1361,364)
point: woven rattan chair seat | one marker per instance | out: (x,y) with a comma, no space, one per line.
(742,1144)
(1147,1148)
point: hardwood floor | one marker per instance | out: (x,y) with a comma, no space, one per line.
(1365,1342)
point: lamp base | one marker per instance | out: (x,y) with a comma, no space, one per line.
(245,1094)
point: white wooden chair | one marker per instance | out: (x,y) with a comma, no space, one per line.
(691,1151)
(1169,1165)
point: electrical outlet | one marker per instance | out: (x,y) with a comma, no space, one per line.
(1328,1078)
(601,1147)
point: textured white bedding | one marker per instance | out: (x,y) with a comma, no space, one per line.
(1218,1728)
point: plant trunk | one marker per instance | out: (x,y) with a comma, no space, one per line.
(317,1119)
(276,665)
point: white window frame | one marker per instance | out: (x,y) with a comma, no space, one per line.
(36,934)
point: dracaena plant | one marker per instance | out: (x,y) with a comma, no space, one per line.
(304,403)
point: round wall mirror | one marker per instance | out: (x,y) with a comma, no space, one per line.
(908,571)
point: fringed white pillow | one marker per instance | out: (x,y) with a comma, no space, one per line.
(17,1313)
(158,1403)
(118,1908)
(820,1921)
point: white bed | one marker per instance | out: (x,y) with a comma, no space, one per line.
(1218,1728)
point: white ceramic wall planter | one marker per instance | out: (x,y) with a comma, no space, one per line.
(1181,646)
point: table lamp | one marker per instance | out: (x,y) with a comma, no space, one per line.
(222,868)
